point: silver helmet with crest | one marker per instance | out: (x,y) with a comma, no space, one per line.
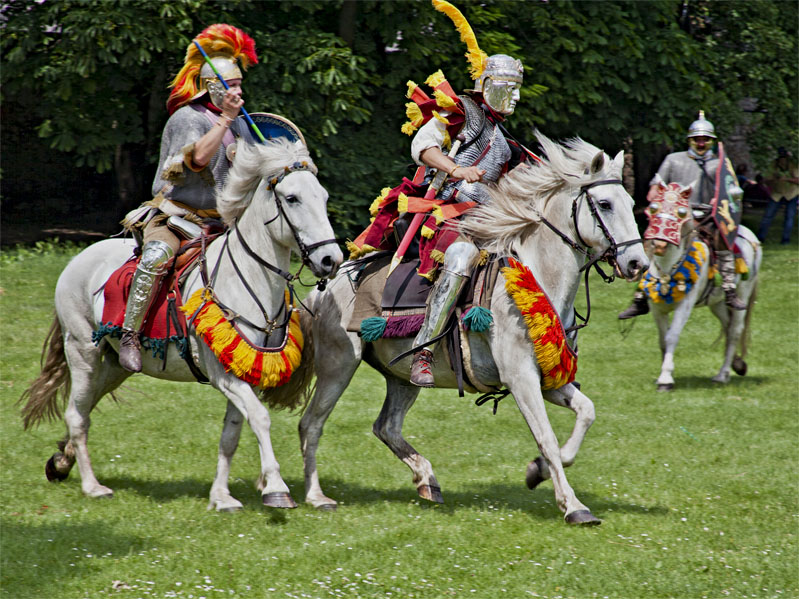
(228,68)
(500,82)
(701,127)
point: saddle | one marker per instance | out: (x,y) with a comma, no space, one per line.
(163,323)
(394,307)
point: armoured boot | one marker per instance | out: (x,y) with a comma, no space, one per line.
(726,264)
(458,262)
(639,306)
(143,289)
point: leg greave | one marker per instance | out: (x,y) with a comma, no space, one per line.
(145,284)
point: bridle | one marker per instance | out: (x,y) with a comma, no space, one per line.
(305,252)
(610,255)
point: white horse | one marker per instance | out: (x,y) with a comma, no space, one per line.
(549,215)
(679,279)
(275,205)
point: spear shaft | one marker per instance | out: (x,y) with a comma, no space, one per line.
(226,86)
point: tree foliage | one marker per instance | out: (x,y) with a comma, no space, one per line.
(90,76)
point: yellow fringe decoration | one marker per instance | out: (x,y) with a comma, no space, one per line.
(411,88)
(356,252)
(437,256)
(476,57)
(483,258)
(439,214)
(443,100)
(740,266)
(408,129)
(440,118)
(378,201)
(402,203)
(558,363)
(427,232)
(436,79)
(265,369)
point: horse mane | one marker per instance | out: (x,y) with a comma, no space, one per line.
(521,197)
(252,163)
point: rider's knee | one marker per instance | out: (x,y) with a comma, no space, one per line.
(461,257)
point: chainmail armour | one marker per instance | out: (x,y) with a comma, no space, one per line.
(489,151)
(174,179)
(681,168)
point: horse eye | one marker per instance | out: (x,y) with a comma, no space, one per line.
(292,199)
(654,207)
(682,211)
(605,204)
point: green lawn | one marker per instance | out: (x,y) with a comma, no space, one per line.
(697,488)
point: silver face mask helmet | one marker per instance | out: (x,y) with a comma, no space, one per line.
(500,83)
(701,128)
(228,68)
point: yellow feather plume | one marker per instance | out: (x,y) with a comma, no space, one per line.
(476,57)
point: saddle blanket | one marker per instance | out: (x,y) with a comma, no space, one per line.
(395,306)
(154,331)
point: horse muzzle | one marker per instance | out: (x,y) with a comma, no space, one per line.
(325,260)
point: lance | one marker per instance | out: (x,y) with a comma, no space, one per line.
(226,86)
(432,191)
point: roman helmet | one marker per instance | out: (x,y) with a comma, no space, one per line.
(497,77)
(229,49)
(701,127)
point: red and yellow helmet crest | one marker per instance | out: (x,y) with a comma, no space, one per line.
(217,40)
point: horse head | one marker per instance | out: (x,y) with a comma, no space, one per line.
(290,205)
(669,214)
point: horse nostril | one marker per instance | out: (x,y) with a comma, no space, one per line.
(327,262)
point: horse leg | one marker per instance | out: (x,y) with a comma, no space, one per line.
(388,428)
(733,326)
(221,500)
(274,491)
(332,378)
(570,397)
(669,337)
(93,373)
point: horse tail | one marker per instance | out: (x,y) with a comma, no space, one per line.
(41,398)
(746,335)
(297,392)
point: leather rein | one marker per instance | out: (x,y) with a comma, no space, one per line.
(609,255)
(305,252)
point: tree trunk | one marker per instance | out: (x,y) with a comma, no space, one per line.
(346,22)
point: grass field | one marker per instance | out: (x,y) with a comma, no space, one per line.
(697,488)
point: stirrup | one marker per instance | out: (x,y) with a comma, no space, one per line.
(130,351)
(421,369)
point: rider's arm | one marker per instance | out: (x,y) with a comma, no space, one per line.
(208,144)
(426,149)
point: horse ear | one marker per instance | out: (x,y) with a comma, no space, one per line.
(598,163)
(686,191)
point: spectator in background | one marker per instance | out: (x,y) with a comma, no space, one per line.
(783,179)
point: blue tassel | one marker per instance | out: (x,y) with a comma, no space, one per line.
(372,328)
(478,319)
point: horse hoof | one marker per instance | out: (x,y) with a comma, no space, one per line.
(534,476)
(52,473)
(327,507)
(583,518)
(431,493)
(666,387)
(280,500)
(739,366)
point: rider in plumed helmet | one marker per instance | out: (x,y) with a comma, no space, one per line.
(695,166)
(485,154)
(197,147)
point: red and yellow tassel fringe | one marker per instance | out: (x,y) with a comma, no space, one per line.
(262,367)
(557,360)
